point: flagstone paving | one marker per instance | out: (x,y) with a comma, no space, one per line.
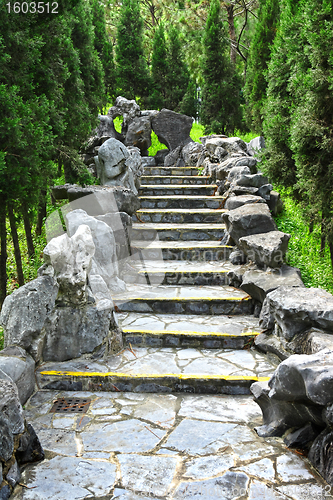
(161,446)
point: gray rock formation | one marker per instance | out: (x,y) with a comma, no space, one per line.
(20,368)
(252,180)
(289,311)
(172,129)
(265,249)
(238,201)
(311,342)
(191,152)
(126,108)
(160,156)
(247,220)
(139,134)
(255,145)
(174,158)
(321,455)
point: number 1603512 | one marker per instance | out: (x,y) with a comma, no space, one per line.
(32,7)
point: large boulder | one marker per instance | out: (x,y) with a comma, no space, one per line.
(256,145)
(252,180)
(247,220)
(139,134)
(191,152)
(172,129)
(321,454)
(233,145)
(126,108)
(311,342)
(238,201)
(174,158)
(24,312)
(290,311)
(265,249)
(258,283)
(20,368)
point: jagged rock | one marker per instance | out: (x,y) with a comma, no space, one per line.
(235,276)
(248,162)
(71,259)
(237,257)
(213,136)
(121,224)
(265,191)
(259,283)
(106,129)
(10,408)
(238,201)
(305,378)
(242,190)
(234,145)
(172,129)
(30,449)
(301,437)
(174,158)
(71,332)
(191,152)
(139,134)
(236,173)
(278,416)
(13,475)
(148,161)
(104,261)
(271,343)
(255,145)
(265,249)
(160,156)
(294,310)
(255,180)
(311,342)
(5,492)
(24,312)
(20,367)
(126,108)
(275,203)
(321,454)
(247,220)
(114,165)
(136,166)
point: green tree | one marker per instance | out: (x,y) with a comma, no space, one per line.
(220,111)
(189,103)
(160,70)
(132,71)
(259,56)
(178,74)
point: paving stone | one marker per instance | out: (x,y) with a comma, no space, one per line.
(260,491)
(292,468)
(205,467)
(263,469)
(63,478)
(306,491)
(231,486)
(127,436)
(149,474)
(193,437)
(61,422)
(58,441)
(256,449)
(121,494)
(159,409)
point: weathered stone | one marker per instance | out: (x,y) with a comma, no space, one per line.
(20,367)
(311,342)
(148,161)
(24,312)
(294,310)
(172,129)
(266,249)
(71,259)
(6,439)
(71,332)
(237,172)
(5,492)
(104,261)
(113,165)
(265,191)
(238,201)
(160,156)
(278,416)
(242,190)
(255,180)
(139,134)
(212,136)
(191,152)
(255,145)
(126,108)
(174,158)
(248,162)
(121,224)
(275,203)
(247,220)
(301,437)
(237,257)
(13,475)
(30,449)
(259,283)
(321,454)
(234,145)
(306,378)
(271,343)
(10,407)
(106,128)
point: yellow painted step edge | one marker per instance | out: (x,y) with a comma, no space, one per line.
(154,375)
(182,271)
(180,299)
(180,332)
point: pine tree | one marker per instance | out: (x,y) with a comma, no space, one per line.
(132,72)
(189,103)
(178,74)
(159,70)
(220,110)
(259,56)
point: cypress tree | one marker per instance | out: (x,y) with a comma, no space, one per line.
(259,56)
(159,70)
(132,72)
(220,110)
(178,74)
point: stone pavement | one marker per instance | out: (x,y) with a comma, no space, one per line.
(132,446)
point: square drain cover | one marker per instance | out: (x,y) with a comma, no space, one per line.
(70,405)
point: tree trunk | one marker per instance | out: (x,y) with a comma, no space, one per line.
(3,254)
(41,212)
(28,235)
(232,33)
(17,251)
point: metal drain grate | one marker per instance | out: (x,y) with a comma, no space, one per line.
(70,405)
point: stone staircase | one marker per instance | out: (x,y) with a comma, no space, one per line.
(185,329)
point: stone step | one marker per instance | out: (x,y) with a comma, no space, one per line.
(175,179)
(174,232)
(179,215)
(182,250)
(211,300)
(161,170)
(160,370)
(169,189)
(182,330)
(181,201)
(173,272)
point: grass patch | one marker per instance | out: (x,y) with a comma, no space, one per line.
(304,247)
(1,338)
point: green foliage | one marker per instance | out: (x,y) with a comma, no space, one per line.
(1,338)
(156,145)
(132,71)
(304,247)
(259,56)
(189,104)
(197,131)
(220,110)
(159,70)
